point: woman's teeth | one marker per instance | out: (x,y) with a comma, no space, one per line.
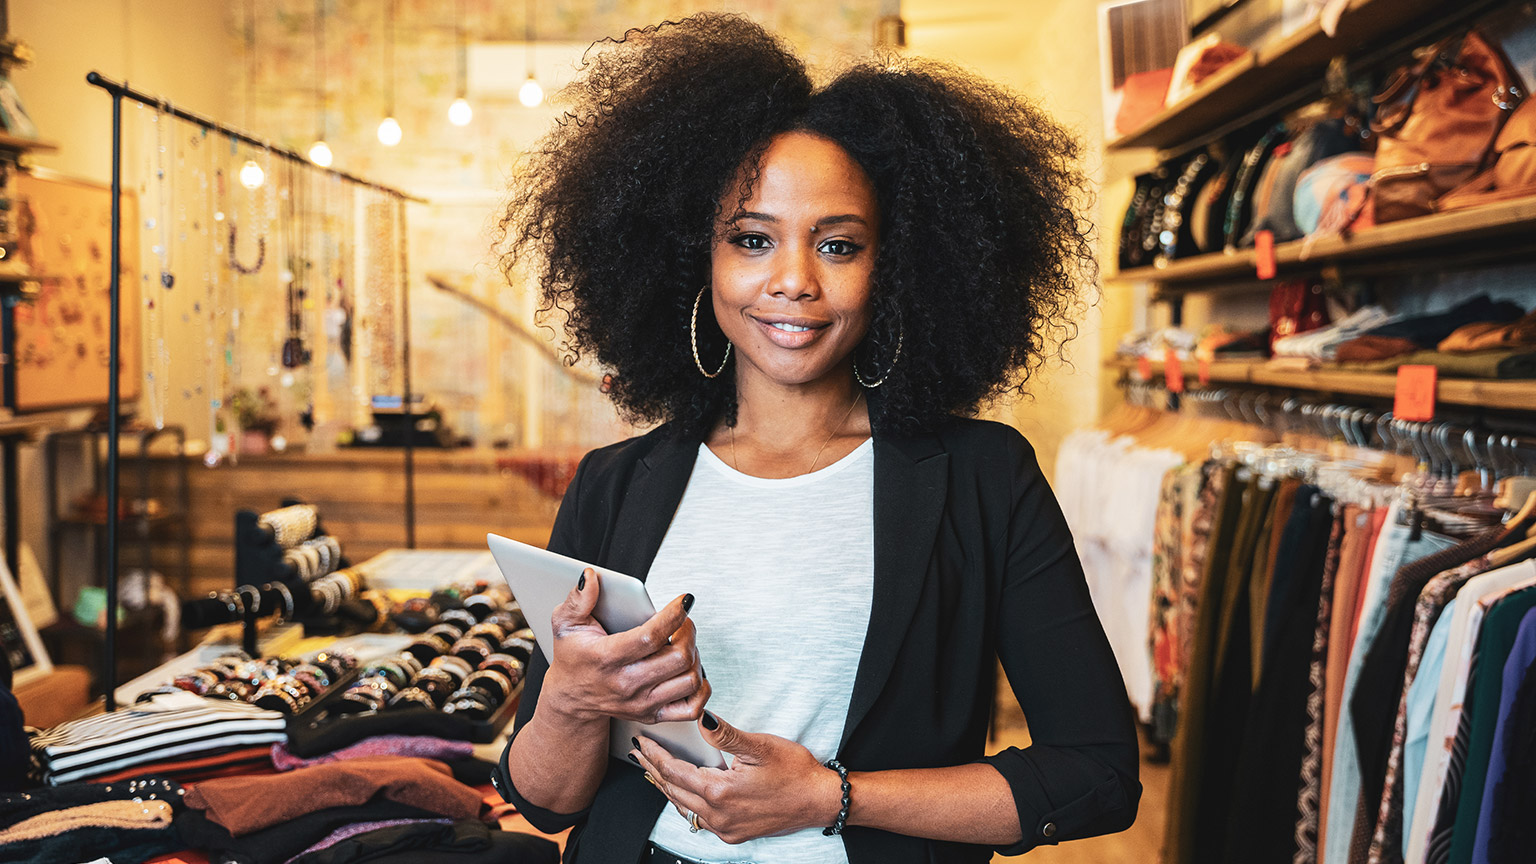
(789,328)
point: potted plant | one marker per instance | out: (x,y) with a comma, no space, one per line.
(256,417)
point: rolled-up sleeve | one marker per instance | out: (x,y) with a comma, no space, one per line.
(1078,777)
(563,539)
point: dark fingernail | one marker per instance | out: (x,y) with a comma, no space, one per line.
(636,742)
(702,673)
(632,758)
(687,602)
(582,582)
(710,722)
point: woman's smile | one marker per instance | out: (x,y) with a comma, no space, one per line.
(790,331)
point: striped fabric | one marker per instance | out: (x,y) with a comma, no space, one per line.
(1312,761)
(168,726)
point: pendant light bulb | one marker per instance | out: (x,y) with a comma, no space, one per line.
(320,154)
(459,113)
(531,94)
(251,175)
(389,132)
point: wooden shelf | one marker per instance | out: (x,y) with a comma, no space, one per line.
(1275,71)
(1484,392)
(1493,231)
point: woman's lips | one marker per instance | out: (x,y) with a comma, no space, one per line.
(791,333)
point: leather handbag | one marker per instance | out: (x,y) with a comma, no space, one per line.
(1513,174)
(1437,119)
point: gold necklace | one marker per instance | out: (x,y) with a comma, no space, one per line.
(830,436)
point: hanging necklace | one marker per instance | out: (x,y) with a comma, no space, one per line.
(830,436)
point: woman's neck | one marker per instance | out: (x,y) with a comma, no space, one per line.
(786,431)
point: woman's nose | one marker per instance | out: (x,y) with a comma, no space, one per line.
(794,277)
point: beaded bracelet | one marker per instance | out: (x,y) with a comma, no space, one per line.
(842,815)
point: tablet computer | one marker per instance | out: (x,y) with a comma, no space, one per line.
(541,580)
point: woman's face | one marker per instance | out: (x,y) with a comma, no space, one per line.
(792,277)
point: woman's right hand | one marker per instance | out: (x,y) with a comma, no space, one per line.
(650,674)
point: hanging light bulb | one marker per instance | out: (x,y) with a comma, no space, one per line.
(251,175)
(389,132)
(320,154)
(459,113)
(531,94)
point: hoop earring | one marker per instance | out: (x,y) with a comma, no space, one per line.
(901,336)
(693,340)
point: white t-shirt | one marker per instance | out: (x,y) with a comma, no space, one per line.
(782,572)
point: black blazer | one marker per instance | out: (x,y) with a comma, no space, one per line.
(973,560)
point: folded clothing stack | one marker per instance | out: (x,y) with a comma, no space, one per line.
(321,808)
(170,726)
(133,821)
(1323,343)
(1422,332)
(1492,336)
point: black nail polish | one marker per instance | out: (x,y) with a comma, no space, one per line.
(636,742)
(632,758)
(687,602)
(582,582)
(710,722)
(702,673)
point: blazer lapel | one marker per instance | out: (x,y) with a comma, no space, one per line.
(650,502)
(911,482)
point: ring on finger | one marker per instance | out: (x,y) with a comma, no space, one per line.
(693,822)
(649,779)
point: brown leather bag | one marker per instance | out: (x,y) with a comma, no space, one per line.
(1437,120)
(1513,174)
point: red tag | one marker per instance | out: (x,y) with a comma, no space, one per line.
(1205,372)
(1415,398)
(1264,249)
(1144,368)
(1173,371)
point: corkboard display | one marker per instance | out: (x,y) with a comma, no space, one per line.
(61,342)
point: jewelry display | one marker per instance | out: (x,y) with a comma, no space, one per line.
(291,525)
(276,684)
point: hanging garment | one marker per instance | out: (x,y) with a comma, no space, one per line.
(1359,528)
(1522,655)
(1395,545)
(1231,675)
(1381,673)
(1386,839)
(1264,555)
(1495,643)
(1514,798)
(1167,644)
(1221,498)
(1263,782)
(1438,778)
(1309,795)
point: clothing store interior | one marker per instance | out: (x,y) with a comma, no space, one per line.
(272,370)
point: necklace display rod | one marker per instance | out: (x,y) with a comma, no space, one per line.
(119,92)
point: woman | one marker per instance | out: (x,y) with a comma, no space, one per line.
(810,288)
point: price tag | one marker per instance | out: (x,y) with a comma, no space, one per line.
(1173,371)
(1264,250)
(1415,398)
(1144,368)
(1204,372)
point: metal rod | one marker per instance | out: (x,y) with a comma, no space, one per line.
(114,368)
(405,362)
(124,91)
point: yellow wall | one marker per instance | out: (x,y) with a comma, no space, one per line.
(1048,51)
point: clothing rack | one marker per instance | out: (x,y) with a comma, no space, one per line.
(119,92)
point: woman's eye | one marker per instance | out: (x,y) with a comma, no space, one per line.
(751,242)
(840,248)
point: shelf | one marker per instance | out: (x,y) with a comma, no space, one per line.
(26,145)
(1483,392)
(1275,71)
(1485,231)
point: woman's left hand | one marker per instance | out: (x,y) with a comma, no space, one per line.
(774,785)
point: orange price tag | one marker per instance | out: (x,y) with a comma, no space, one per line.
(1264,250)
(1204,372)
(1144,368)
(1173,371)
(1415,398)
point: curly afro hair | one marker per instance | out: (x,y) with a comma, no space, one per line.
(981,253)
